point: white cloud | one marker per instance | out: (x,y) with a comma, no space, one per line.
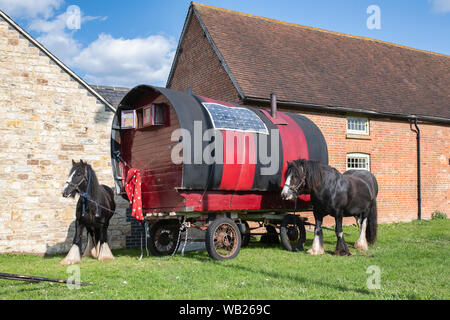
(127,62)
(105,61)
(440,6)
(55,36)
(30,8)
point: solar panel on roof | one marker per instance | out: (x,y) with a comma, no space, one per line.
(237,119)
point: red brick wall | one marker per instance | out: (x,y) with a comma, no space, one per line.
(392,145)
(199,68)
(392,150)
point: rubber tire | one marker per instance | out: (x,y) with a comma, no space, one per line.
(292,219)
(209,239)
(174,226)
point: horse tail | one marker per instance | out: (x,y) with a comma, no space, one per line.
(371,230)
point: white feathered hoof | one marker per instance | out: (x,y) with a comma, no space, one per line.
(316,251)
(317,247)
(105,253)
(90,250)
(72,257)
(96,251)
(361,245)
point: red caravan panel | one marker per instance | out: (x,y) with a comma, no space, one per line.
(293,142)
(238,201)
(239,157)
(239,161)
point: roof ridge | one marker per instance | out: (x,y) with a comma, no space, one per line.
(197,4)
(115,88)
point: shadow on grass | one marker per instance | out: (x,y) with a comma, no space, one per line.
(19,287)
(203,257)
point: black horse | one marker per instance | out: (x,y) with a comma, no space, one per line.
(353,193)
(95,207)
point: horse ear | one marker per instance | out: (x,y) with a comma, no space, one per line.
(73,162)
(81,161)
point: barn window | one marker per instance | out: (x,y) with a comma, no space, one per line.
(357,125)
(358,161)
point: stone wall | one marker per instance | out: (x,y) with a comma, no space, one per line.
(48,119)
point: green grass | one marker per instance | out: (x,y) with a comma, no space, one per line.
(413,257)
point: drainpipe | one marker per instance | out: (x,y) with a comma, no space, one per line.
(419,191)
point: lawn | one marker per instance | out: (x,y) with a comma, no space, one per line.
(413,259)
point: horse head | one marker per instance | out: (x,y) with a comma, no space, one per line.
(76,179)
(295,180)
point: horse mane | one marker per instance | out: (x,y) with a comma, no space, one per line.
(313,172)
(95,185)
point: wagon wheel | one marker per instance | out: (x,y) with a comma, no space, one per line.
(223,239)
(292,233)
(163,237)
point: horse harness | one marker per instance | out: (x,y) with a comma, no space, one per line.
(86,196)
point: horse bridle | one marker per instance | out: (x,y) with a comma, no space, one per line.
(77,186)
(85,195)
(297,188)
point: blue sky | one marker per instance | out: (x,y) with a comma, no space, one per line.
(125,43)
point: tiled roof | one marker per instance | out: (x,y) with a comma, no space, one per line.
(111,94)
(319,67)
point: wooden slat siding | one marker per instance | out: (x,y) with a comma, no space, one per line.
(150,153)
(162,201)
(163,144)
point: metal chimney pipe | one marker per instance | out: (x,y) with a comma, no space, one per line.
(273,105)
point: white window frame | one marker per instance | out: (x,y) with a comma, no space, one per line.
(354,130)
(356,155)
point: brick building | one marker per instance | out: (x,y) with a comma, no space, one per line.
(50,116)
(364,94)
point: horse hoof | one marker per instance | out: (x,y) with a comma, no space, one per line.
(67,262)
(361,246)
(73,256)
(90,250)
(315,252)
(341,253)
(105,253)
